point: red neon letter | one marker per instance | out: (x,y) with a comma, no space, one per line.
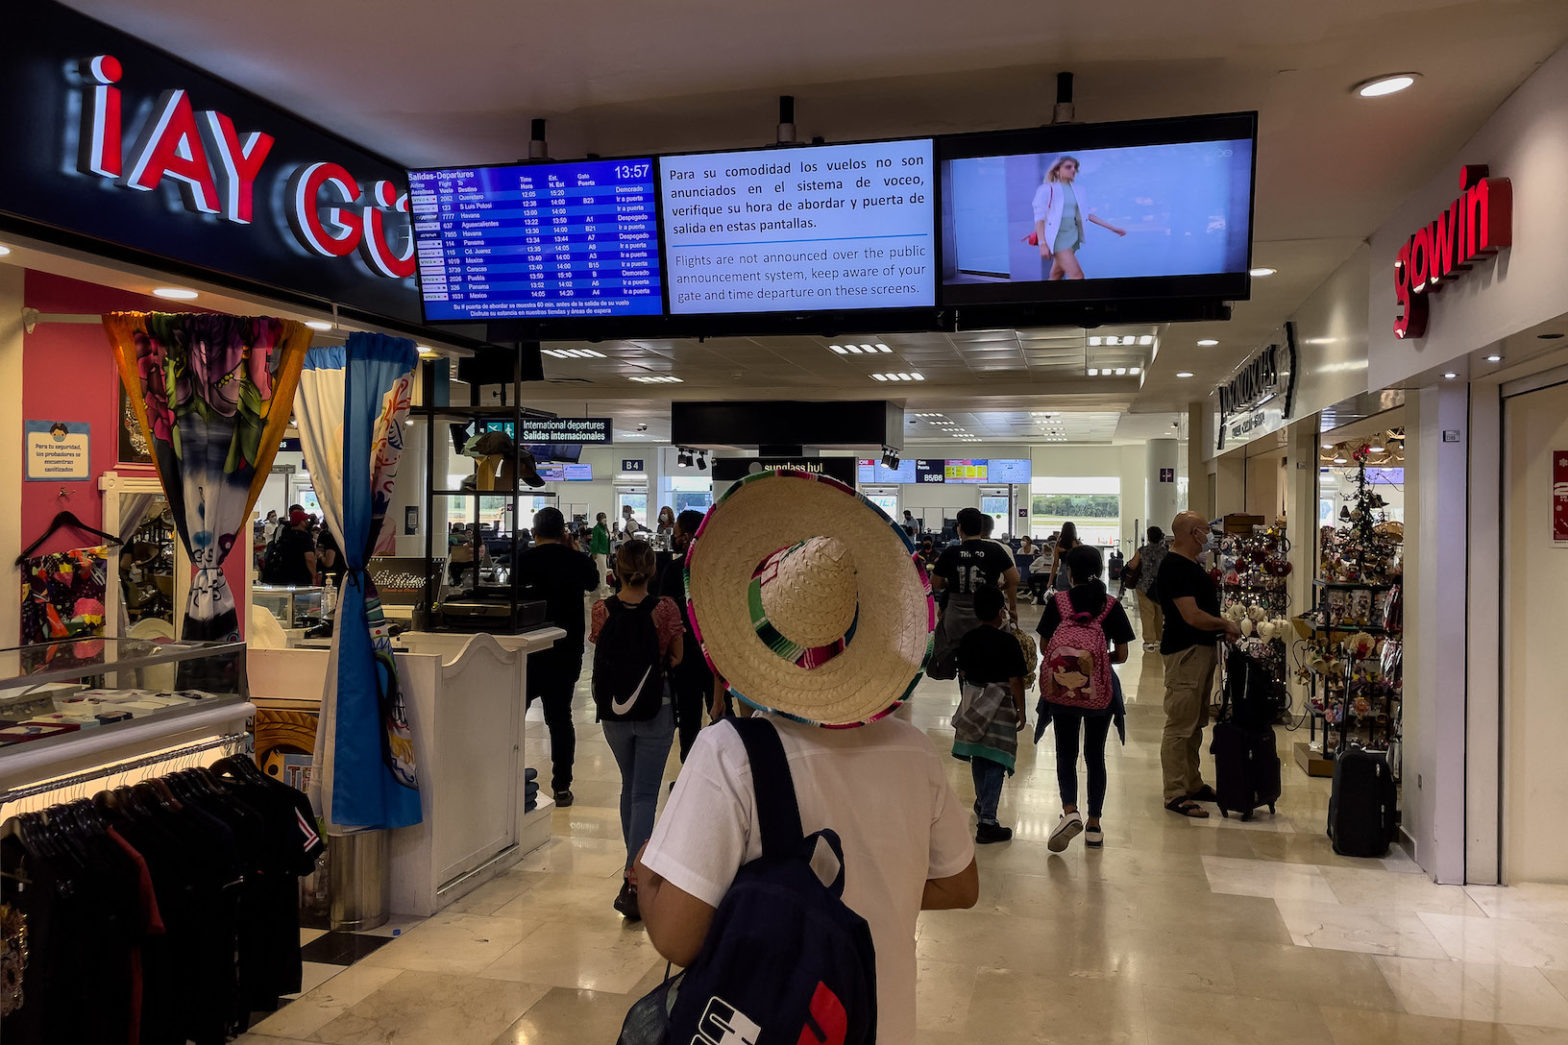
(1441,265)
(1490,208)
(99,150)
(339,234)
(1411,323)
(238,164)
(375,246)
(171,145)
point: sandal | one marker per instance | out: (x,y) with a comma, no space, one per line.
(1187,807)
(1203,794)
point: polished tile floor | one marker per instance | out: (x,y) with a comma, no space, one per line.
(1210,932)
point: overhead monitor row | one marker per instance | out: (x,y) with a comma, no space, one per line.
(884,234)
(922,472)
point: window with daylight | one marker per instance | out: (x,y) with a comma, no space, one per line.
(1092,503)
(682,492)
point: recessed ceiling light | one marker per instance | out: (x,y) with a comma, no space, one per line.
(425,350)
(918,377)
(1328,445)
(175,293)
(1449,375)
(4,250)
(883,349)
(840,349)
(1261,272)
(1094,372)
(1341,460)
(1184,373)
(1134,371)
(1377,87)
(1094,342)
(1549,337)
(1121,371)
(1207,342)
(879,377)
(1494,358)
(1147,339)
(854,350)
(318,324)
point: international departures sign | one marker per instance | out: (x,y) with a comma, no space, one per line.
(109,138)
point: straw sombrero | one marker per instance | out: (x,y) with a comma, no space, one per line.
(808,601)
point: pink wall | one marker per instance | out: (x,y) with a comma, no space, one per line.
(69,374)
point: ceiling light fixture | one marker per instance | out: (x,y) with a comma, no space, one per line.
(1094,372)
(854,350)
(884,349)
(4,250)
(879,377)
(175,293)
(1121,371)
(1449,375)
(425,350)
(1261,272)
(1494,358)
(657,379)
(1341,460)
(318,324)
(840,349)
(1207,342)
(1147,339)
(1094,342)
(1379,86)
(1184,373)
(1134,371)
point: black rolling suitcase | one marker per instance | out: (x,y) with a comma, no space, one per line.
(1246,763)
(1363,805)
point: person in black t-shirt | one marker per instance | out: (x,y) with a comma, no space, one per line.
(692,680)
(1190,602)
(329,558)
(962,570)
(1087,595)
(557,572)
(992,714)
(295,553)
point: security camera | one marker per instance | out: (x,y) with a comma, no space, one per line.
(642,428)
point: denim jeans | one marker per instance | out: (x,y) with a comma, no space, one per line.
(988,787)
(641,749)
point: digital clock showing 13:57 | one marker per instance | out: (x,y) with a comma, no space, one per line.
(633,170)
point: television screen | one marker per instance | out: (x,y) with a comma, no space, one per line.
(579,473)
(824,228)
(927,472)
(1015,470)
(1159,208)
(872,471)
(531,241)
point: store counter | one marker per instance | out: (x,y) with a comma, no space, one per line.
(466,710)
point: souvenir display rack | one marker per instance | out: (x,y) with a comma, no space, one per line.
(1353,661)
(1253,566)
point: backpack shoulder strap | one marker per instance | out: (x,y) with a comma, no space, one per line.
(1105,611)
(778,813)
(1064,606)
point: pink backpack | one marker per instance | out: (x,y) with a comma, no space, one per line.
(1077,671)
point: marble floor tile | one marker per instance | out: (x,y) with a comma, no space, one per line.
(610,957)
(1309,975)
(1370,930)
(1266,878)
(1502,941)
(1014,1006)
(1358,887)
(1459,990)
(499,891)
(266,1039)
(319,1007)
(314,974)
(310,935)
(569,1017)
(1178,1017)
(1358,1027)
(450,943)
(420,1007)
(1525,902)
(592,857)
(942,994)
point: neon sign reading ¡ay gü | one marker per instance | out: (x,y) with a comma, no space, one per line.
(217,169)
(1477,224)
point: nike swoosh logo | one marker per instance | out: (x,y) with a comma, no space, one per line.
(622,707)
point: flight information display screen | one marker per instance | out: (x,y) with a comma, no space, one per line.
(537,241)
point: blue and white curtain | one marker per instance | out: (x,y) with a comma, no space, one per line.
(350,409)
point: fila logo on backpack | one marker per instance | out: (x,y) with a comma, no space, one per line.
(826,1024)
(1077,667)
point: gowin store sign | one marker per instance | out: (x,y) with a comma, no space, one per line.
(1476,225)
(117,147)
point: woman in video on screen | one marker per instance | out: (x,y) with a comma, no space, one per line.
(1059,216)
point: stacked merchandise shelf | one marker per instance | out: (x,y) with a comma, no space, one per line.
(1252,570)
(1353,657)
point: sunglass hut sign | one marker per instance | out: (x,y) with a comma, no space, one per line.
(218,168)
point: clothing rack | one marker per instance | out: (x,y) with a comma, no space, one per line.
(17,794)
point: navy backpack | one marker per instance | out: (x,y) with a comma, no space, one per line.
(785,961)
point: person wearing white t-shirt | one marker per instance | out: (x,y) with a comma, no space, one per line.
(879,785)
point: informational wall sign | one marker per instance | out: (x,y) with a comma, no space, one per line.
(1167,475)
(567,430)
(1476,225)
(1560,498)
(57,450)
(410,520)
(632,464)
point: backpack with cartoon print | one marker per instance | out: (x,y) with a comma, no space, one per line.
(1077,669)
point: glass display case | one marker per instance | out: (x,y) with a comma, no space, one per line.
(55,693)
(293,606)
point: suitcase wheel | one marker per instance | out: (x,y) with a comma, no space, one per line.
(1246,817)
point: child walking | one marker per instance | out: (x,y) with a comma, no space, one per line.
(991,670)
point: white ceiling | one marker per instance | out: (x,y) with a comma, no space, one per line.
(458,83)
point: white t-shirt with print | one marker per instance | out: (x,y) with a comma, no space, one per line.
(881,787)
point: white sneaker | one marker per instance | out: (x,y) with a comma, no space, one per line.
(1067,828)
(1094,837)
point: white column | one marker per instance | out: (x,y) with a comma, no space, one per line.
(409,489)
(1435,591)
(1301,522)
(1160,497)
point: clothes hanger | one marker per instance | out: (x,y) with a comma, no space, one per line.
(60,521)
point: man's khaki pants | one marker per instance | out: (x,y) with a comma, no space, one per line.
(1189,675)
(1152,618)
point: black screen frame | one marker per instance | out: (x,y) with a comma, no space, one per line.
(1122,298)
